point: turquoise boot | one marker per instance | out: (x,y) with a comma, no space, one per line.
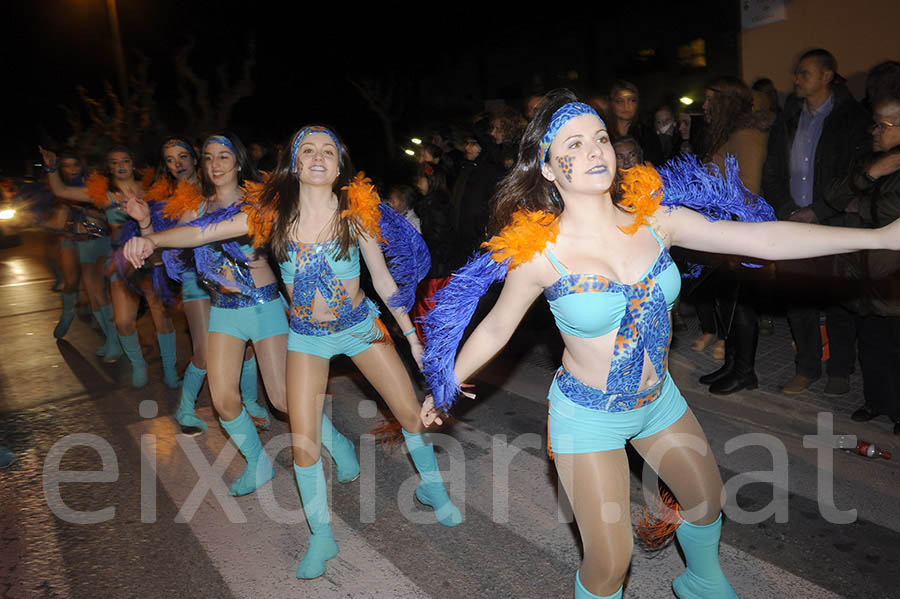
(7,458)
(583,593)
(112,351)
(703,578)
(342,451)
(166,343)
(249,396)
(322,546)
(191,425)
(259,468)
(67,316)
(431,490)
(132,347)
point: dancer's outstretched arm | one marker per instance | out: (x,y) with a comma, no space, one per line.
(520,290)
(777,240)
(139,249)
(385,286)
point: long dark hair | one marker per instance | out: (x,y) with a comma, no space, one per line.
(281,195)
(162,170)
(246,170)
(524,186)
(730,107)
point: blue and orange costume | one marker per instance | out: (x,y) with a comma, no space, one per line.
(583,418)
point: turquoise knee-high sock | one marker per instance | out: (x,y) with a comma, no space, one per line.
(583,593)
(112,350)
(342,451)
(67,316)
(322,546)
(190,388)
(132,347)
(166,343)
(249,396)
(259,469)
(703,578)
(431,490)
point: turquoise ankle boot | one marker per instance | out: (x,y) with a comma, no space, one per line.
(249,397)
(185,415)
(166,343)
(132,347)
(431,491)
(322,546)
(342,451)
(67,316)
(583,593)
(259,469)
(703,578)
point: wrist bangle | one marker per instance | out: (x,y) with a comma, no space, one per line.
(409,332)
(50,169)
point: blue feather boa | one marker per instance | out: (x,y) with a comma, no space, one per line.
(445,324)
(407,257)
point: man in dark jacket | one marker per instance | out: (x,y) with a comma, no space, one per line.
(812,143)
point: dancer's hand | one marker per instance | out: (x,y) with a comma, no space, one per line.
(138,249)
(415,346)
(48,157)
(430,414)
(138,209)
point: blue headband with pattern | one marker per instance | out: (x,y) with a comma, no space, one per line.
(314,129)
(560,118)
(222,140)
(181,144)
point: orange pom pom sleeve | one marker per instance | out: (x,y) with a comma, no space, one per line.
(641,195)
(363,206)
(527,235)
(259,221)
(186,198)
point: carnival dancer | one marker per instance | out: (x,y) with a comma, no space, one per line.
(605,269)
(109,192)
(246,304)
(84,251)
(178,191)
(322,220)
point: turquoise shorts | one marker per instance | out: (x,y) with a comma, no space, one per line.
(253,323)
(190,290)
(349,342)
(574,428)
(92,249)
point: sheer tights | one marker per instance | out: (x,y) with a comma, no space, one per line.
(598,488)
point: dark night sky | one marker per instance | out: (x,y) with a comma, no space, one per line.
(448,63)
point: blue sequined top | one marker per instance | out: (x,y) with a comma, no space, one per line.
(313,267)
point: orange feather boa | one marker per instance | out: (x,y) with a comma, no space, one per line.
(259,221)
(97,187)
(523,238)
(641,195)
(186,198)
(363,205)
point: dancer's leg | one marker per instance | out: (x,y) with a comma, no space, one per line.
(224,361)
(382,367)
(597,485)
(682,457)
(165,335)
(68,261)
(125,305)
(197,314)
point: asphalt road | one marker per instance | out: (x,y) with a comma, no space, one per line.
(147,517)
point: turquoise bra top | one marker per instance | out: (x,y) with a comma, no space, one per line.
(344,268)
(586,305)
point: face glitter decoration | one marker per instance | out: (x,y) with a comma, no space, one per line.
(565,165)
(560,118)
